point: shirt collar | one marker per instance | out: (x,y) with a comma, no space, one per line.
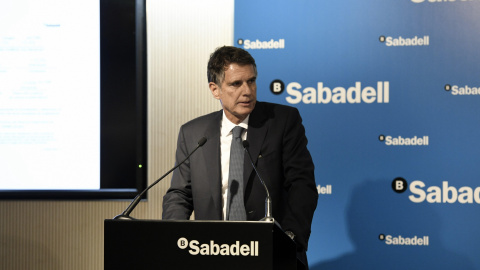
(227,125)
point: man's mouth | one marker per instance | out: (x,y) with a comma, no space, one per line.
(245,102)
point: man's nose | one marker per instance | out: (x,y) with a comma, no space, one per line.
(247,88)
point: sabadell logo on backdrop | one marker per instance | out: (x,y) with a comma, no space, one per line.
(323,94)
(405,41)
(443,194)
(464,90)
(404,141)
(261,44)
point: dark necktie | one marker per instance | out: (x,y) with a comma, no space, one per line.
(236,209)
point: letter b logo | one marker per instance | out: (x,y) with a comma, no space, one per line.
(399,185)
(182,243)
(277,87)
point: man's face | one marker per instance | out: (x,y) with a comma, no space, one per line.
(237,92)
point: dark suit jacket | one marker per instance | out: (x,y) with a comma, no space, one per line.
(278,147)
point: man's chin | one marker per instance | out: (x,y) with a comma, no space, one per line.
(246,110)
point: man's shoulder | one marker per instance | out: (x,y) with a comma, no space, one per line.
(203,120)
(269,108)
(272,105)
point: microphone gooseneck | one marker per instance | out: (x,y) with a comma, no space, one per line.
(268,201)
(126,214)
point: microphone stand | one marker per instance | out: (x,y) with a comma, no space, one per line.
(268,201)
(125,215)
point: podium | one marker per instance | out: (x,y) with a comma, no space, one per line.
(156,244)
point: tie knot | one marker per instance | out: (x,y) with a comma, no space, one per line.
(237,131)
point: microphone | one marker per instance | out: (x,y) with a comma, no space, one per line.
(126,214)
(268,201)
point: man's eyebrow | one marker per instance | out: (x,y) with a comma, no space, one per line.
(240,80)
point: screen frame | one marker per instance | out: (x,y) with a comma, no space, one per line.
(123,87)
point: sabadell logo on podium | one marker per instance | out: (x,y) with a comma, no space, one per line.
(212,248)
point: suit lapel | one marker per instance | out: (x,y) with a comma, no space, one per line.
(211,154)
(257,130)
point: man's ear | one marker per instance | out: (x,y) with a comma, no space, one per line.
(215,89)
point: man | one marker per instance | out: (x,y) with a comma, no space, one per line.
(277,144)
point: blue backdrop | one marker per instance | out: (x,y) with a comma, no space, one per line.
(389,92)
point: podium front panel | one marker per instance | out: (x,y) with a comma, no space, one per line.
(149,244)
